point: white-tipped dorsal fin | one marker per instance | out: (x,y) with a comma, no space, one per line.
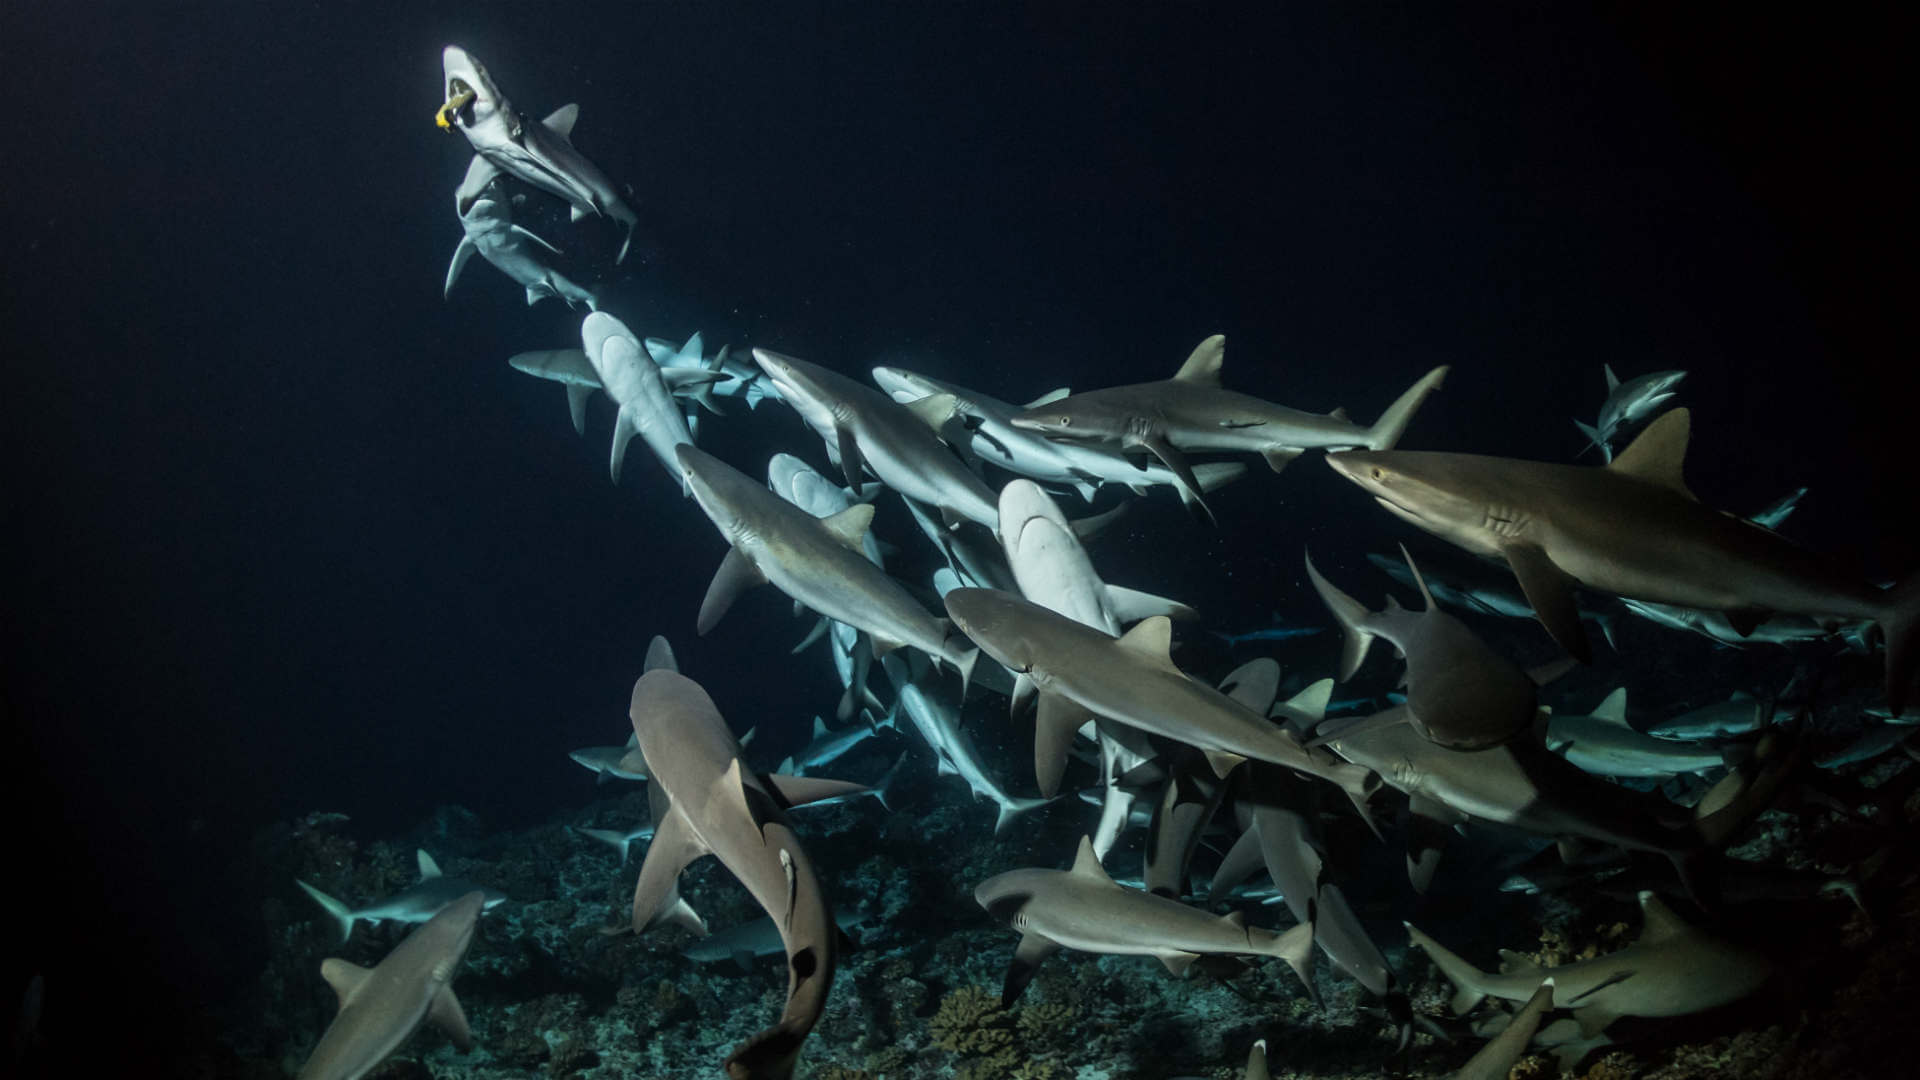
(1087,864)
(1203,366)
(1151,639)
(560,121)
(1049,397)
(344,977)
(1658,454)
(428,868)
(1257,1061)
(1613,708)
(1661,923)
(850,526)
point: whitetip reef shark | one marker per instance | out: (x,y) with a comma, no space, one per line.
(1083,909)
(416,903)
(1192,413)
(381,1008)
(1630,528)
(541,154)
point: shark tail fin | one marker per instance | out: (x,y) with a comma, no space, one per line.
(1347,612)
(1595,441)
(770,1055)
(1013,808)
(335,910)
(884,786)
(1899,628)
(1296,948)
(964,665)
(1386,431)
(1467,979)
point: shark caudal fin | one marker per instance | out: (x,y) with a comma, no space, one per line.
(335,910)
(770,1055)
(1898,627)
(1393,423)
(1013,808)
(1467,980)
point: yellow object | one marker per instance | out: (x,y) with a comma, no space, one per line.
(444,117)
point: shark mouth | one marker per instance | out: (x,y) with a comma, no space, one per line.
(459,104)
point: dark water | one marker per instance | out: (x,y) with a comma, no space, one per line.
(285,534)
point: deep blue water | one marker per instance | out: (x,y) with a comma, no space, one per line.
(285,533)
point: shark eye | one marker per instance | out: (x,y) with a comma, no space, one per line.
(1379,473)
(1066,421)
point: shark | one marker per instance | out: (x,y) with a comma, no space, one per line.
(797,482)
(1496,1059)
(1630,528)
(611,762)
(990,436)
(1082,909)
(1775,513)
(737,378)
(572,370)
(1627,404)
(815,561)
(1483,597)
(617,839)
(828,745)
(936,716)
(541,154)
(1603,744)
(705,802)
(1079,670)
(512,249)
(751,941)
(1740,714)
(636,385)
(1723,630)
(1460,692)
(381,1008)
(864,428)
(1191,412)
(1672,969)
(416,903)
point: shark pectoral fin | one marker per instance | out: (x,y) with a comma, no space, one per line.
(1178,962)
(1279,457)
(445,1013)
(1176,463)
(736,575)
(561,120)
(1426,841)
(461,254)
(1349,613)
(345,977)
(1744,620)
(1132,605)
(1379,721)
(577,396)
(849,448)
(800,790)
(656,895)
(1658,454)
(1223,762)
(625,427)
(1550,594)
(1593,1019)
(1049,397)
(850,526)
(1240,863)
(1056,722)
(1022,696)
(530,235)
(1204,363)
(1026,961)
(1089,527)
(819,631)
(743,959)
(575,213)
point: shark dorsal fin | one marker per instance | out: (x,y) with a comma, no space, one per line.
(819,728)
(1661,923)
(1425,593)
(428,868)
(695,347)
(850,526)
(1257,1061)
(1049,397)
(1151,639)
(1613,381)
(560,121)
(659,658)
(934,410)
(732,792)
(1613,709)
(345,977)
(1513,963)
(633,762)
(1234,919)
(1203,366)
(1086,864)
(1659,452)
(661,350)
(1309,705)
(1340,413)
